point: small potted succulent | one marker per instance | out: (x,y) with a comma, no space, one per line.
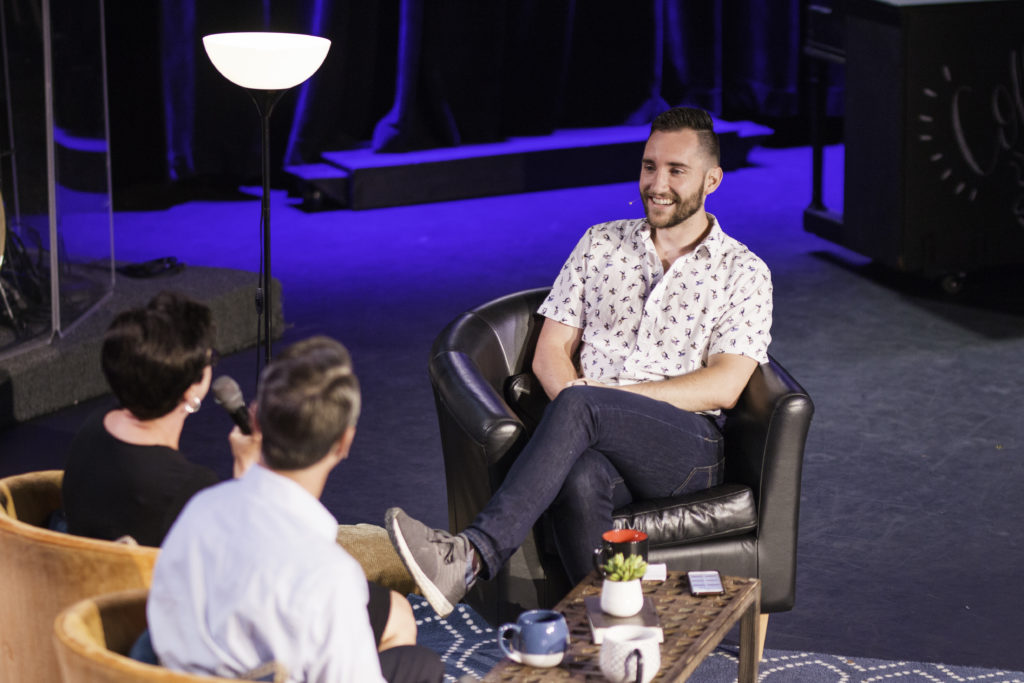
(621,593)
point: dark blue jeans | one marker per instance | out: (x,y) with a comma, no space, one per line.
(595,449)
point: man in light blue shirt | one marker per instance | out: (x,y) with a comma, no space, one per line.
(250,573)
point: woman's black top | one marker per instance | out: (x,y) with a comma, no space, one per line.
(113,488)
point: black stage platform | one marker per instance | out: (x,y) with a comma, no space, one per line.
(364,179)
(38,378)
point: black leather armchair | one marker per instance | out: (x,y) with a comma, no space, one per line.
(488,403)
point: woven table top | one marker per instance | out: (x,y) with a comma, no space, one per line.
(693,627)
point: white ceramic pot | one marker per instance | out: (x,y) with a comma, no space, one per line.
(622,598)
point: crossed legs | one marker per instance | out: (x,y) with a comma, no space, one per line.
(589,439)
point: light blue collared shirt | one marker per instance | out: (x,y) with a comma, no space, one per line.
(251,573)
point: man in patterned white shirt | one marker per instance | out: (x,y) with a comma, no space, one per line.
(669,316)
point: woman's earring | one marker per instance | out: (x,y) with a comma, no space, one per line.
(192,404)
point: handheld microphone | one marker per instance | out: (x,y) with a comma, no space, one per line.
(227,394)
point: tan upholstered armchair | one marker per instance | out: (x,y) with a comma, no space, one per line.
(44,571)
(93,638)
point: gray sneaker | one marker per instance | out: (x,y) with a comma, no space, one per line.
(436,559)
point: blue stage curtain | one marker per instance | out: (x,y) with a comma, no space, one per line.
(177,76)
(478,72)
(413,74)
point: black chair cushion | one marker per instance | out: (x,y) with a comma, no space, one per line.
(718,512)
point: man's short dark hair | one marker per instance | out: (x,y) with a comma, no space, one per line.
(151,355)
(691,118)
(308,397)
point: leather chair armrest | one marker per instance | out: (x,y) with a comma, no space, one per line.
(765,436)
(470,403)
(718,512)
(478,431)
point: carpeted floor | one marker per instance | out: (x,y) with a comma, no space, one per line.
(469,649)
(910,528)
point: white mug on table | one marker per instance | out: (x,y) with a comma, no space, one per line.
(630,654)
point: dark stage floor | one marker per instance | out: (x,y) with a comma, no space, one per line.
(910,534)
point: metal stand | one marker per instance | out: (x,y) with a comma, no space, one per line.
(265,101)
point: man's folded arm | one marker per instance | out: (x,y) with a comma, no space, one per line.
(552,358)
(715,387)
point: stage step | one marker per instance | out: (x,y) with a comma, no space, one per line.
(363,179)
(321,186)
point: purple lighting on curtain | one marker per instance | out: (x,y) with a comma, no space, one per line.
(178,70)
(302,104)
(416,74)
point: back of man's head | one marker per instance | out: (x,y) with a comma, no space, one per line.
(690,118)
(308,397)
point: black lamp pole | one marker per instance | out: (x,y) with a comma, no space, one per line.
(265,101)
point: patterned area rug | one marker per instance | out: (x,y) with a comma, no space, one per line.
(469,648)
(466,642)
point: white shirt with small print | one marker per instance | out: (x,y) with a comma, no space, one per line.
(640,323)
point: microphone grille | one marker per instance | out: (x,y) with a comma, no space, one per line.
(227,393)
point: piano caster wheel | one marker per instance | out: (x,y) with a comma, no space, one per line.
(953,283)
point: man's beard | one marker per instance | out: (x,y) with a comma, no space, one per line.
(683,210)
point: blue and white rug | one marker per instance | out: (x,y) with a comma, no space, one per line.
(469,647)
(466,642)
(778,666)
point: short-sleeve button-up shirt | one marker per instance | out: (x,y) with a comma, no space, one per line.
(640,323)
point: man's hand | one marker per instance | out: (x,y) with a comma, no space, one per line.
(584,382)
(245,449)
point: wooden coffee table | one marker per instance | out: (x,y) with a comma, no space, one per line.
(693,627)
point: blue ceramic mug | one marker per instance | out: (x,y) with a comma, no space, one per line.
(539,638)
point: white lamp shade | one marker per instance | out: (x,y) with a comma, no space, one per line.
(264,60)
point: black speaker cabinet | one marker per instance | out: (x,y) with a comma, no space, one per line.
(934,134)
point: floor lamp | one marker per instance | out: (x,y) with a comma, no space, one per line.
(266,64)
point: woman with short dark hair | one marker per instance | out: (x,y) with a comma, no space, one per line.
(124,475)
